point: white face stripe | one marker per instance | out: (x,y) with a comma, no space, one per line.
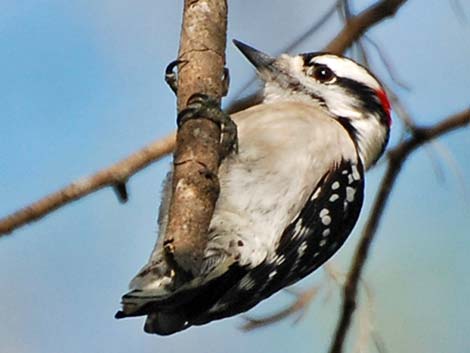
(344,67)
(293,81)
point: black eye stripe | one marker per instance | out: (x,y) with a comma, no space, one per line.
(366,95)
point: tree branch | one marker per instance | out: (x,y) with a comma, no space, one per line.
(357,25)
(119,173)
(195,186)
(300,305)
(396,158)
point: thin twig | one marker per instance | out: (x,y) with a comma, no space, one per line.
(399,107)
(386,62)
(358,24)
(299,306)
(117,173)
(365,321)
(303,299)
(346,11)
(454,167)
(435,162)
(396,158)
(363,54)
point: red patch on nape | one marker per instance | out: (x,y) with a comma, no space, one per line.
(385,104)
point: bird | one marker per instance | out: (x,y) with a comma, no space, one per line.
(290,193)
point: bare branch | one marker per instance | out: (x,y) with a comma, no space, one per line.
(454,167)
(435,162)
(357,25)
(299,306)
(302,302)
(117,174)
(195,186)
(396,158)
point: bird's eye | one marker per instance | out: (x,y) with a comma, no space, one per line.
(322,73)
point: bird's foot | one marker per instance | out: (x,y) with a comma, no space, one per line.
(203,106)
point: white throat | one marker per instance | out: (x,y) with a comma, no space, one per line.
(371,136)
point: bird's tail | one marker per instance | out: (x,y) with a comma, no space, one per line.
(162,318)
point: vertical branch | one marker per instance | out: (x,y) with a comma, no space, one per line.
(197,156)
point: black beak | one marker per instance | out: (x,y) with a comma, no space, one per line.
(259,59)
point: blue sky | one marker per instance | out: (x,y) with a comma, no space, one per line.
(81,87)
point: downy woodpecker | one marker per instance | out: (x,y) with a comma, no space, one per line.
(288,198)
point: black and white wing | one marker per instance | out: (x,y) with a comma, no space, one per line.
(318,231)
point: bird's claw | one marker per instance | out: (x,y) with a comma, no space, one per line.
(171,77)
(225,81)
(203,106)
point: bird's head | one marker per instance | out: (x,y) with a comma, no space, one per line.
(348,92)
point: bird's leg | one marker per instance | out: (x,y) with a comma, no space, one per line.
(171,78)
(203,106)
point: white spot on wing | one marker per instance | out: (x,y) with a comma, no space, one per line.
(326,232)
(335,185)
(326,220)
(272,274)
(334,197)
(350,179)
(350,192)
(324,212)
(322,242)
